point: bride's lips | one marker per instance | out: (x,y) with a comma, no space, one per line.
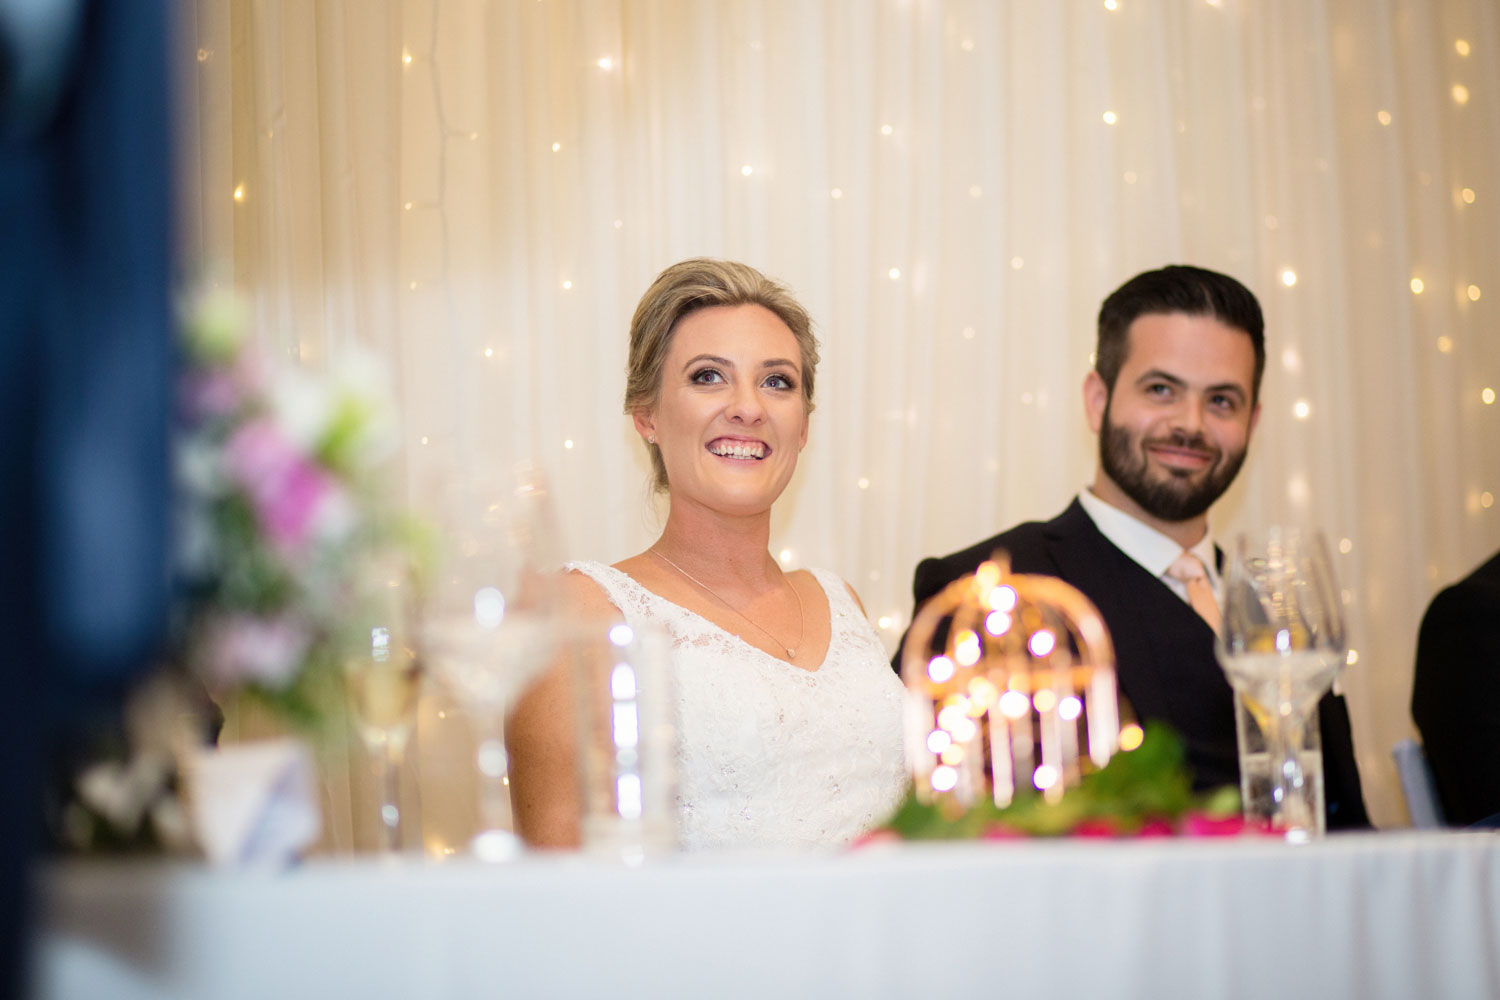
(738,449)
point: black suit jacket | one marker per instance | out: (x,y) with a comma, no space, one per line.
(1455,698)
(1164,651)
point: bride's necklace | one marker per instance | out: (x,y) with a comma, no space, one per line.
(791,651)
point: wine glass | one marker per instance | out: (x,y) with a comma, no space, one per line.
(1282,644)
(383,681)
(489,626)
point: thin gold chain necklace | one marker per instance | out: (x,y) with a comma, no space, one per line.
(791,651)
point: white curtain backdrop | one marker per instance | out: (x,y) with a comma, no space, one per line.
(479,190)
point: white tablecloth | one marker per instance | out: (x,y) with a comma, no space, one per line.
(1377,915)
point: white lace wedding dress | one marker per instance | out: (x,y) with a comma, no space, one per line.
(768,754)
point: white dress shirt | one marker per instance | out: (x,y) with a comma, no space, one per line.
(1154,551)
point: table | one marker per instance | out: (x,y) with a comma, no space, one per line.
(1369,915)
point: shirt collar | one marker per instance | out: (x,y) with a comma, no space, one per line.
(1154,551)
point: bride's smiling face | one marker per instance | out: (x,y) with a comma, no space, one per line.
(729,417)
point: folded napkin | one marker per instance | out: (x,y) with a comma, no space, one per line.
(255,803)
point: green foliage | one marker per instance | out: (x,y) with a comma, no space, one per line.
(1147,785)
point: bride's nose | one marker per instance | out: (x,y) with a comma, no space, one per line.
(745,405)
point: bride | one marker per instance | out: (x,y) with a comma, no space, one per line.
(789,717)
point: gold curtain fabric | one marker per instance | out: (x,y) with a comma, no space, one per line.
(479,191)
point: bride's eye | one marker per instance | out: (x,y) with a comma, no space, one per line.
(706,376)
(779,381)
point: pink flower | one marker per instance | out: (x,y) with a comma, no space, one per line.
(293,498)
(1156,827)
(244,649)
(211,394)
(1098,826)
(1204,825)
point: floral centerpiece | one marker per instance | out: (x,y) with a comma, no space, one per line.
(278,514)
(278,484)
(1140,792)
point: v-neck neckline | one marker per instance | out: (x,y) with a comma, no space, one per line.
(811,671)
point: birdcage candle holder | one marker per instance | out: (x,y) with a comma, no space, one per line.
(1010,686)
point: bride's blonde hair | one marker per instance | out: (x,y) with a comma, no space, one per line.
(683,288)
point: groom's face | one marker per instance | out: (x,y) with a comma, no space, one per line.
(1175,427)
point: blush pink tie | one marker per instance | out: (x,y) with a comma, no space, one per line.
(1189,570)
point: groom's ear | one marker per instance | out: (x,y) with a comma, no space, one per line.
(1095,400)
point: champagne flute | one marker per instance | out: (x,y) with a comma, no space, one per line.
(1282,644)
(488,627)
(383,681)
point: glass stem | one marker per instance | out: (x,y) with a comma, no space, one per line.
(1289,782)
(494,786)
(387,777)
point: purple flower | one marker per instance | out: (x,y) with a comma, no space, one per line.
(294,499)
(244,649)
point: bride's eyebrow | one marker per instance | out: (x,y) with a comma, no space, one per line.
(725,362)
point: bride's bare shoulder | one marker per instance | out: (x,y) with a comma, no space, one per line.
(583,597)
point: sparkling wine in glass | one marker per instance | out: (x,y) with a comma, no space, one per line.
(1282,644)
(383,690)
(383,682)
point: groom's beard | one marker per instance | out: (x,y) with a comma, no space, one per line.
(1165,494)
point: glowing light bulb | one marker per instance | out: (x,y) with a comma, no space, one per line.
(1352,658)
(894,273)
(747,170)
(1014,704)
(606,63)
(1110,117)
(1288,277)
(567,285)
(1417,286)
(1346,546)
(1467,194)
(1473,292)
(1301,409)
(1460,94)
(1461,46)
(1445,344)
(1383,116)
(568,444)
(239,192)
(1130,737)
(836,194)
(557,147)
(1488,395)
(405,58)
(886,130)
(940,669)
(1016,263)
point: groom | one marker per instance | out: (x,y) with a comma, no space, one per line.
(1173,398)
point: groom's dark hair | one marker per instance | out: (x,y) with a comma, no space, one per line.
(1176,288)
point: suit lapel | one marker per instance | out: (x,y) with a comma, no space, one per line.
(1151,626)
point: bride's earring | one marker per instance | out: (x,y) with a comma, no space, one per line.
(650,438)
